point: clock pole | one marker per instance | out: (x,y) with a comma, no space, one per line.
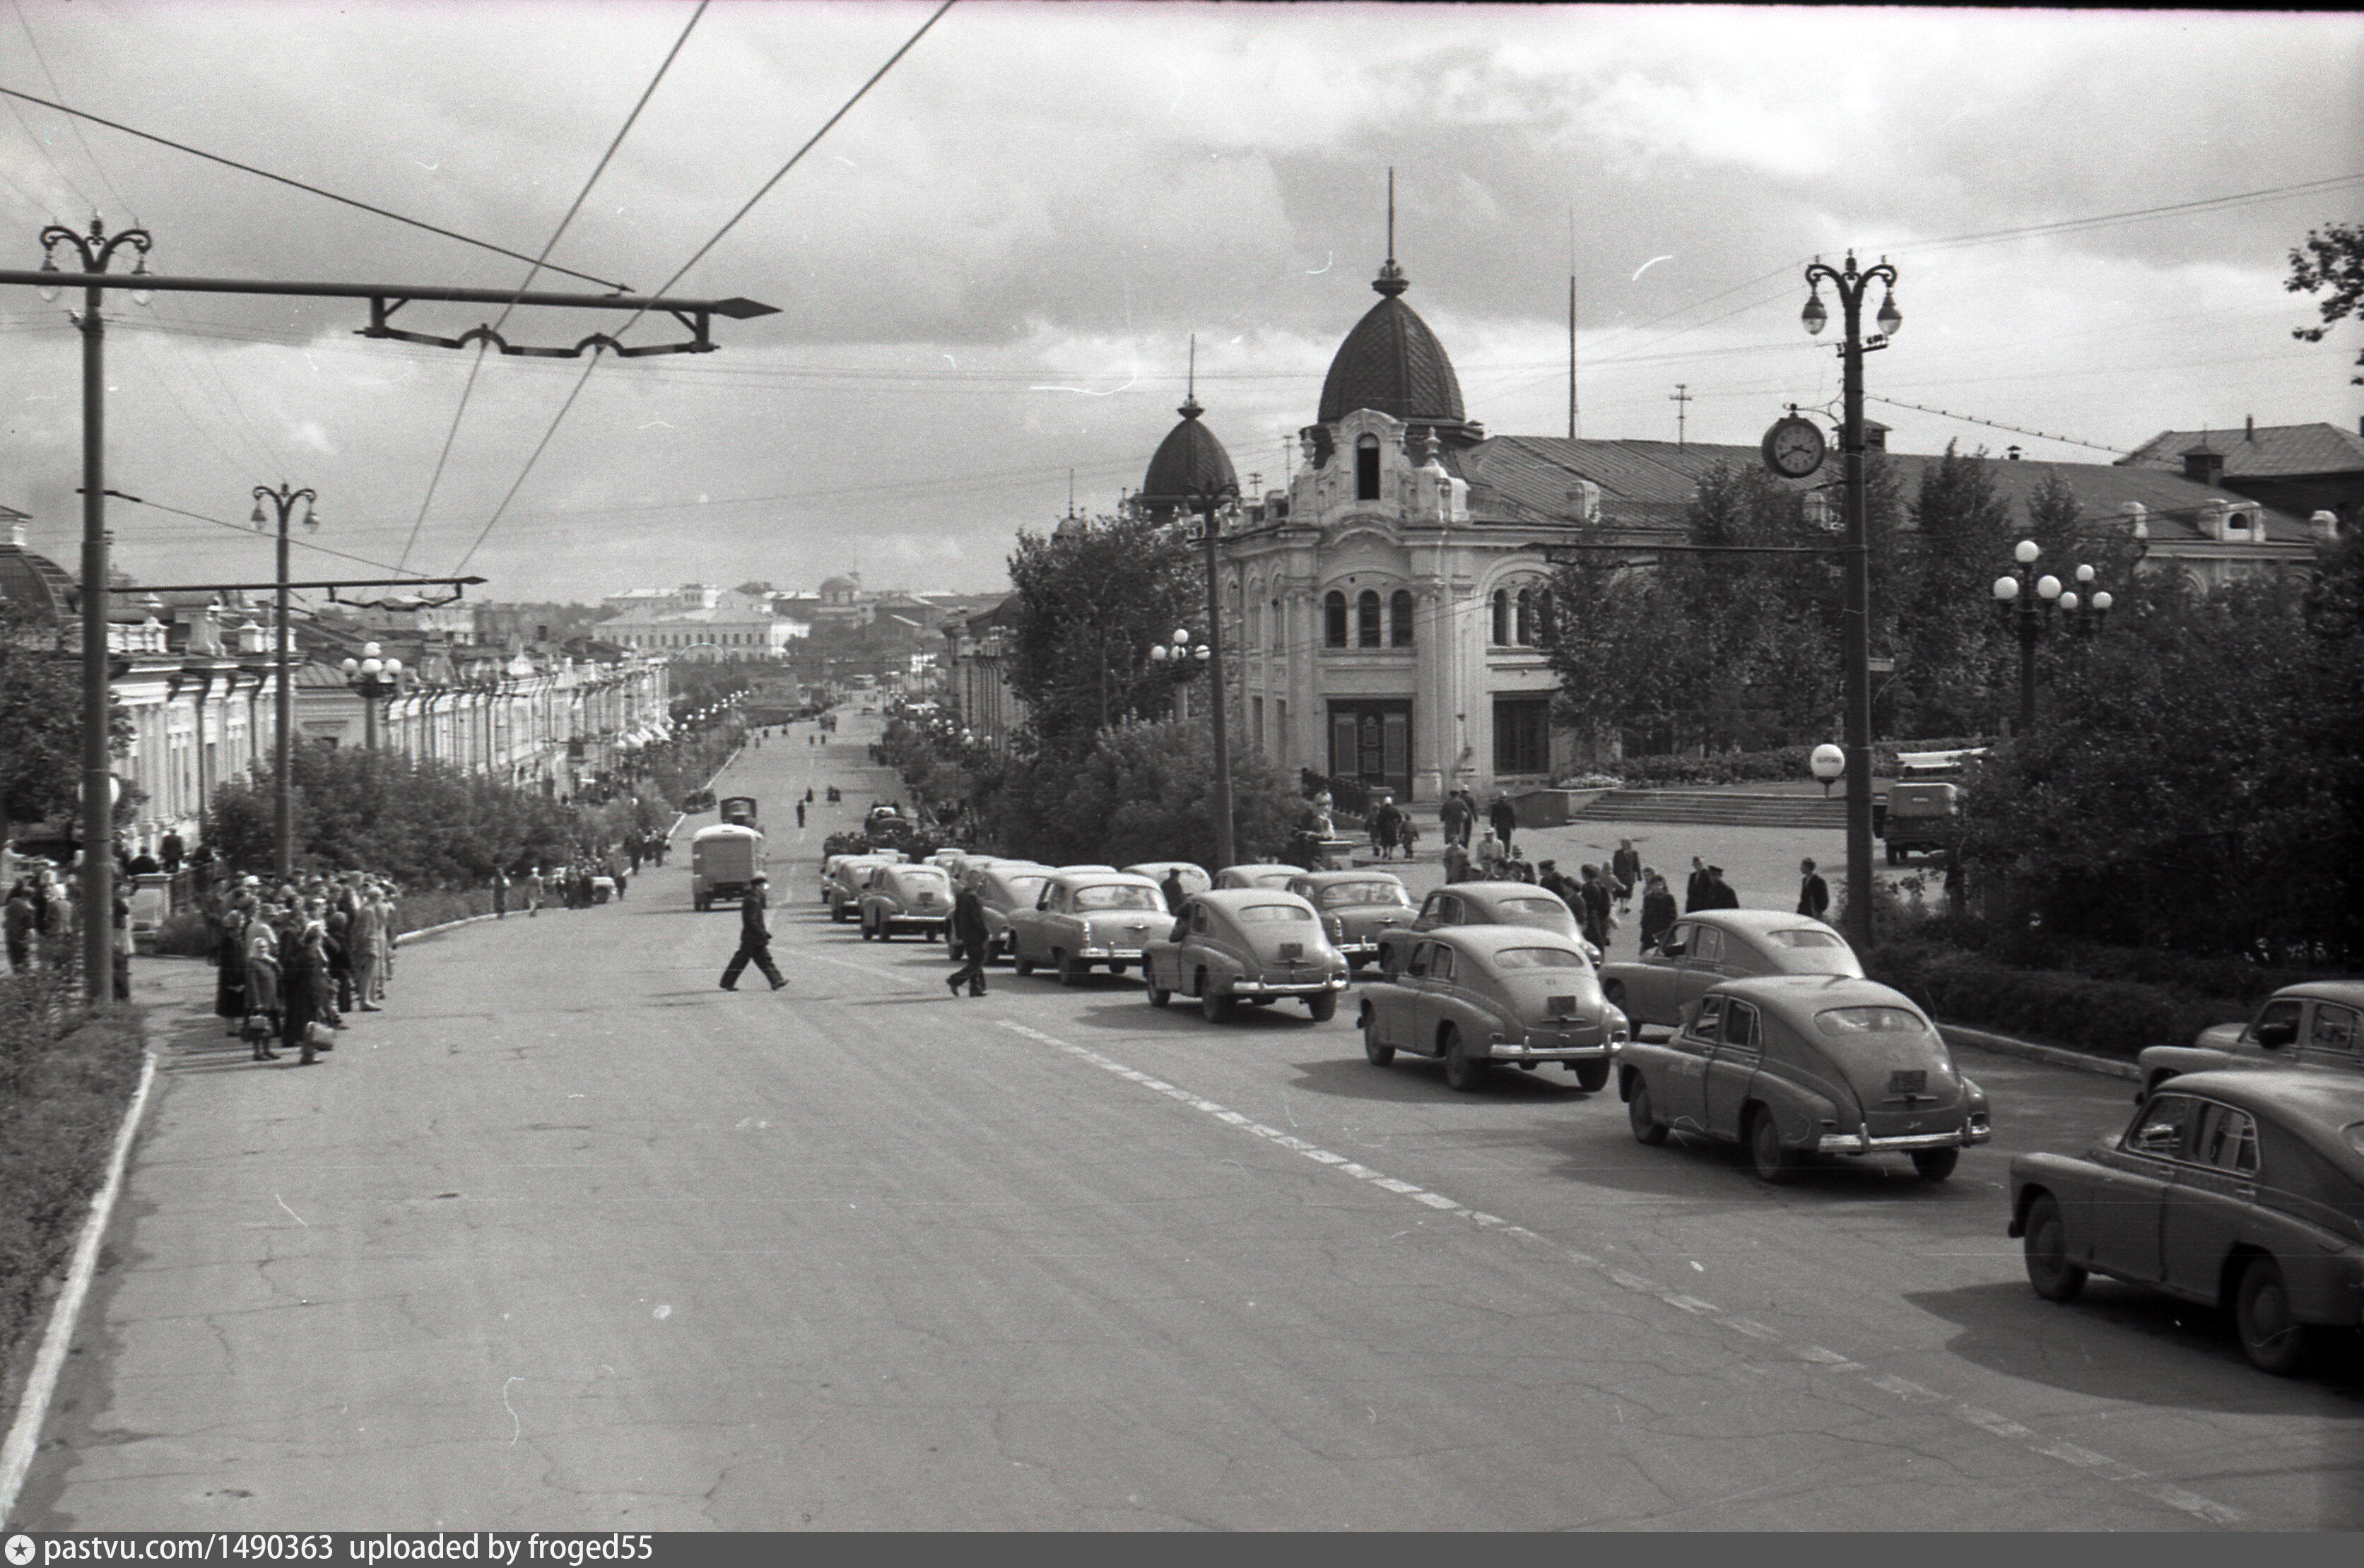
(1854,619)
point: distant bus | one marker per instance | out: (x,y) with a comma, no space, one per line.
(739,810)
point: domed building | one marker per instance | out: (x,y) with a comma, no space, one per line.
(1385,632)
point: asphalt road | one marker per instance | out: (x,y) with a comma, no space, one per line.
(569,1238)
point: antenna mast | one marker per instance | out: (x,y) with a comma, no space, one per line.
(1572,426)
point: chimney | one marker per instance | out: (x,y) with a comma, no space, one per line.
(2011,452)
(2253,429)
(1875,436)
(2204,465)
(17,535)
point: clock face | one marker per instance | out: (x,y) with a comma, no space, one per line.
(1794,447)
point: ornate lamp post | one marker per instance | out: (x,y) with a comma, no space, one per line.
(375,679)
(95,250)
(2029,606)
(1183,659)
(283,502)
(1192,473)
(1854,620)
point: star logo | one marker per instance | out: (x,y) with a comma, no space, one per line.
(20,1550)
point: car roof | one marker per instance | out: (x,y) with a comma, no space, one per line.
(1257,868)
(1070,876)
(725,831)
(1486,941)
(1756,921)
(1229,899)
(1332,878)
(923,867)
(2314,1102)
(2350,992)
(1149,868)
(1800,996)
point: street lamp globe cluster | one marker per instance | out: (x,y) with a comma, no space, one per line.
(376,678)
(2029,606)
(1179,651)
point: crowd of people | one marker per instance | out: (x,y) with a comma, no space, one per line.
(294,957)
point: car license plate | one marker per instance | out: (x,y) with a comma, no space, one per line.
(1559,1006)
(1914,1081)
(1292,950)
(925,899)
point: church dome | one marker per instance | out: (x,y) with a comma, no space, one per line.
(1190,462)
(1391,363)
(34,582)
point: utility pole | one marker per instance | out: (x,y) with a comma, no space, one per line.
(283,746)
(1681,398)
(1572,424)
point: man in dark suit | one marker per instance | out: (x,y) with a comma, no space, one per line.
(754,939)
(969,936)
(1695,890)
(1814,894)
(1719,894)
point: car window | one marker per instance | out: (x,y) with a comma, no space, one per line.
(1341,894)
(1740,1026)
(2227,1139)
(1440,963)
(1049,898)
(1709,1025)
(1116,896)
(2334,1027)
(1418,967)
(1022,889)
(1538,958)
(1677,940)
(2284,1012)
(1803,938)
(1433,910)
(1707,944)
(1841,1022)
(1546,912)
(1198,919)
(1273,914)
(2158,1127)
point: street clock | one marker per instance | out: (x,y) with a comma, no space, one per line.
(1794,447)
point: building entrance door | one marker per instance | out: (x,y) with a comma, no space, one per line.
(1370,740)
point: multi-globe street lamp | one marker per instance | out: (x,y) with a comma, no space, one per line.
(2029,606)
(374,678)
(1855,619)
(1183,659)
(283,503)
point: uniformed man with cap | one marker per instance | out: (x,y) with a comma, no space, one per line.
(754,939)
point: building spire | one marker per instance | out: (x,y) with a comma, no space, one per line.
(1191,410)
(1391,281)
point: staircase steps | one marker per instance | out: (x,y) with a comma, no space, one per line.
(1715,808)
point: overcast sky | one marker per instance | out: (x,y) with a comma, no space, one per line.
(989,273)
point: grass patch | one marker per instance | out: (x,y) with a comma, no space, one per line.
(65,1077)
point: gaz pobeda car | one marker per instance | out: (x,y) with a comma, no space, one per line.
(842,877)
(1194,876)
(906,899)
(1251,945)
(1004,887)
(1481,904)
(1263,874)
(1083,921)
(1473,995)
(1357,907)
(1791,1066)
(1699,951)
(2318,1023)
(2238,1190)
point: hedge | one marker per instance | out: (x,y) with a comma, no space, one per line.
(1787,763)
(2108,1017)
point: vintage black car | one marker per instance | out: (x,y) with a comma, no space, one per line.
(2233,1189)
(1474,995)
(2317,1023)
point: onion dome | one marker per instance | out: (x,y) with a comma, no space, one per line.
(34,582)
(1190,464)
(1391,363)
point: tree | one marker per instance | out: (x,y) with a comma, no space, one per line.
(1143,790)
(1091,602)
(2332,258)
(40,722)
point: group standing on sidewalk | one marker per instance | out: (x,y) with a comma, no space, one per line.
(293,956)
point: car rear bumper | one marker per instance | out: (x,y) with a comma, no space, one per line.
(1286,988)
(1599,1050)
(898,922)
(1902,1143)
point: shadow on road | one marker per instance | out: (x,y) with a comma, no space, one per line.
(1691,1167)
(1418,1078)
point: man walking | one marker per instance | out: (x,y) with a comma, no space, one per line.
(1719,892)
(1454,815)
(1695,891)
(533,891)
(1505,819)
(754,939)
(1625,869)
(1385,821)
(501,894)
(1814,894)
(969,935)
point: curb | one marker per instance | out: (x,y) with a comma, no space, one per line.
(2052,1055)
(24,1432)
(402,937)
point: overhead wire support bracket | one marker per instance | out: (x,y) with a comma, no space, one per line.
(330,584)
(382,307)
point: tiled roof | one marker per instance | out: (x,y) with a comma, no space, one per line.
(2269,451)
(1189,461)
(1393,364)
(34,580)
(1646,483)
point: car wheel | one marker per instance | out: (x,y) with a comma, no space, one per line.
(2270,1338)
(1024,965)
(886,932)
(1354,967)
(1159,996)
(2047,1249)
(837,914)
(1213,1005)
(1374,1054)
(1592,1076)
(1643,1116)
(867,935)
(1463,1072)
(1070,972)
(1775,1163)
(1935,1164)
(1321,1008)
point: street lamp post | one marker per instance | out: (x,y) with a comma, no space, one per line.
(1181,655)
(1206,504)
(375,679)
(95,250)
(283,501)
(2029,607)
(1854,620)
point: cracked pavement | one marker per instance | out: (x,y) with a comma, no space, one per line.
(567,1239)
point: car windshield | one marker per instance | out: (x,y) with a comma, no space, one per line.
(1803,938)
(925,879)
(1538,958)
(1263,914)
(1372,892)
(1271,879)
(1840,1022)
(1023,888)
(1116,896)
(1532,912)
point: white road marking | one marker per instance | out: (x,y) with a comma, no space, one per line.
(2100,1465)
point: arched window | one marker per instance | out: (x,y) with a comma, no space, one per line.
(1501,618)
(1526,618)
(1400,607)
(1366,620)
(1367,469)
(1333,619)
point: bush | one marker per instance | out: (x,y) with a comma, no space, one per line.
(66,1075)
(184,935)
(436,907)
(2111,1018)
(1789,764)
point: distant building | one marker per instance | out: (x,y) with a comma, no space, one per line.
(698,621)
(976,659)
(2297,470)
